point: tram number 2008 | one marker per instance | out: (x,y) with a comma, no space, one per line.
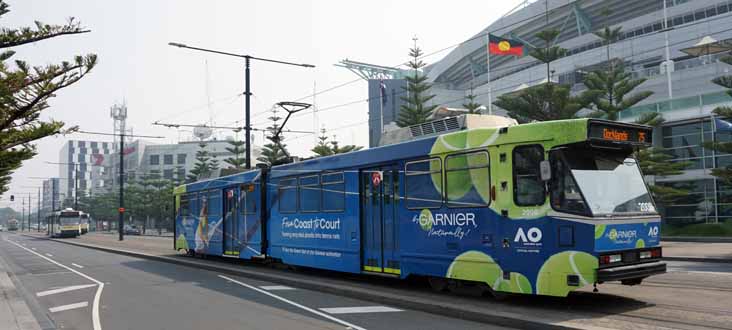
(646,207)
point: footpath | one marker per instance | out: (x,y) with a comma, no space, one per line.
(616,307)
(697,251)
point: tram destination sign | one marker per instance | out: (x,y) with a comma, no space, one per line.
(621,133)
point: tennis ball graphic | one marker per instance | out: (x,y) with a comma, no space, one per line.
(425,219)
(181,242)
(517,284)
(552,277)
(640,243)
(474,266)
(599,230)
(481,137)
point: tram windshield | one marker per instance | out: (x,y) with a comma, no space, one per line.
(68,221)
(600,182)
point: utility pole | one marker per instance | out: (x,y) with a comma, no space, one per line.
(121,210)
(248,127)
(22,212)
(38,216)
(76,186)
(247,89)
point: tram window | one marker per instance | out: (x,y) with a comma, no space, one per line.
(214,203)
(565,194)
(309,191)
(467,180)
(287,192)
(334,192)
(528,189)
(247,202)
(184,210)
(424,184)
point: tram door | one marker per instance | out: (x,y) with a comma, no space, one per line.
(231,225)
(379,227)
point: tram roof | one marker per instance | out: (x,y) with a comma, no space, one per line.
(558,131)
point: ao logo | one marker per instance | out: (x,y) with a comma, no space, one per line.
(532,235)
(653,231)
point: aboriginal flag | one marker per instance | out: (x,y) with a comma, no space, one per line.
(503,46)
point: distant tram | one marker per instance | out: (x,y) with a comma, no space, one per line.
(64,223)
(542,208)
(13,225)
(83,223)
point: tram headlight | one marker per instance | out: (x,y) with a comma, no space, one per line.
(645,254)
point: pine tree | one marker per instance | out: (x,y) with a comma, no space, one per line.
(548,101)
(327,148)
(273,153)
(609,88)
(322,148)
(656,162)
(202,165)
(344,149)
(25,91)
(470,103)
(724,174)
(236,149)
(541,103)
(415,110)
(213,164)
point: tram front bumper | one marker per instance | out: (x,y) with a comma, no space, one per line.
(631,271)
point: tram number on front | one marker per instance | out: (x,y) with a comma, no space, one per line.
(646,207)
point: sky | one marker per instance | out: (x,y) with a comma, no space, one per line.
(173,85)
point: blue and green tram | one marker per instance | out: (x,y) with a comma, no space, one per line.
(541,208)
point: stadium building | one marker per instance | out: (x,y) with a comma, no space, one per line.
(699,33)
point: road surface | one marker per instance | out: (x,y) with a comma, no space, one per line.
(69,287)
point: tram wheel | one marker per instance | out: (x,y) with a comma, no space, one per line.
(438,284)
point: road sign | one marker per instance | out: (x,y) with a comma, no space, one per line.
(121,210)
(376,178)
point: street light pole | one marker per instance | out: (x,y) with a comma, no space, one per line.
(247,89)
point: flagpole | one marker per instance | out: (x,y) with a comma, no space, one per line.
(381,103)
(714,159)
(490,89)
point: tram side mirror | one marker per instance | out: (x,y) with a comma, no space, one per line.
(545,170)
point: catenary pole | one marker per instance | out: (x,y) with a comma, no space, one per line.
(121,210)
(247,111)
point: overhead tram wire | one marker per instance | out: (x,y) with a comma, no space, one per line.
(233,128)
(198,107)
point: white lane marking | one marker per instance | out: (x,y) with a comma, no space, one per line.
(68,307)
(50,255)
(276,287)
(361,309)
(77,265)
(96,322)
(66,289)
(316,312)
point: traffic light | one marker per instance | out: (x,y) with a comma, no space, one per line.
(12,198)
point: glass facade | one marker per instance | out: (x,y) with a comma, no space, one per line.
(706,199)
